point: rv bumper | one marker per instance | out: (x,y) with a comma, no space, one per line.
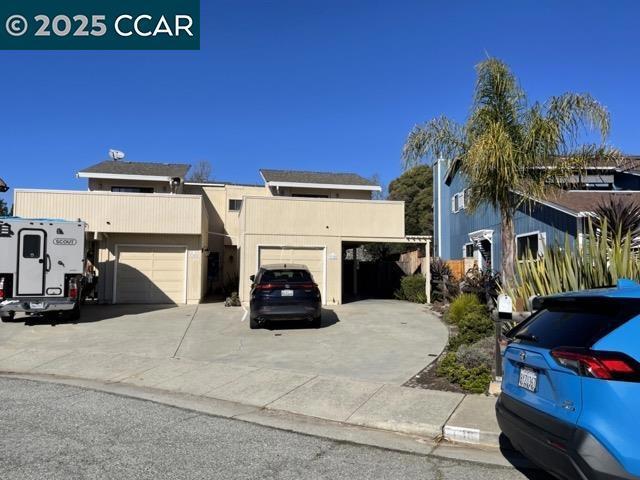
(36,305)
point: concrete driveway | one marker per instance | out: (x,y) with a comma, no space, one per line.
(384,341)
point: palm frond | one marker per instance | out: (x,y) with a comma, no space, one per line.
(438,138)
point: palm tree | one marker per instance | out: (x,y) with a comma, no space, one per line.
(510,150)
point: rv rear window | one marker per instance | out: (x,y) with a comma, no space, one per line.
(31,246)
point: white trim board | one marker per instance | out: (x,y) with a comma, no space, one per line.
(300,247)
(124,176)
(325,186)
(154,245)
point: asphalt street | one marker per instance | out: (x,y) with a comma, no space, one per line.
(50,431)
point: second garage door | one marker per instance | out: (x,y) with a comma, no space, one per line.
(313,258)
(150,274)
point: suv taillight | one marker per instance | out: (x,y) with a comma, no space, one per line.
(598,364)
(2,283)
(73,288)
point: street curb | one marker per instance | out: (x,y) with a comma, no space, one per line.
(471,425)
(302,424)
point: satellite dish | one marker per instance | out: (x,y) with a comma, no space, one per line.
(116,155)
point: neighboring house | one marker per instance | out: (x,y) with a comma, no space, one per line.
(460,235)
(157,238)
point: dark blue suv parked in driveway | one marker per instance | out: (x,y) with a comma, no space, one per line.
(284,292)
(571,387)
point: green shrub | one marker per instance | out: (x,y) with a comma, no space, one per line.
(461,305)
(478,354)
(472,380)
(473,326)
(412,288)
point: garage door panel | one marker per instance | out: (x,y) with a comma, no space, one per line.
(312,258)
(150,274)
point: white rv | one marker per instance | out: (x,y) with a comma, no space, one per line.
(41,266)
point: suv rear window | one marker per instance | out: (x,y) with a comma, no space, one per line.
(575,324)
(285,275)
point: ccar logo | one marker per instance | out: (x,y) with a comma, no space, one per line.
(65,241)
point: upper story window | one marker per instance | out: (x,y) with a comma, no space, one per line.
(235,205)
(457,202)
(530,244)
(132,189)
(308,195)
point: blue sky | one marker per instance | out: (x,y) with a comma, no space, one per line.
(315,84)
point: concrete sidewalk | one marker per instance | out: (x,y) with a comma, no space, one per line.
(427,415)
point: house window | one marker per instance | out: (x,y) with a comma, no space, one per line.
(457,202)
(468,250)
(132,189)
(235,205)
(529,244)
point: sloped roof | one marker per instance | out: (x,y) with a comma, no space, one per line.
(327,178)
(120,167)
(586,201)
(627,163)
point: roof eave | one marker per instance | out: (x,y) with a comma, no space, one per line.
(325,186)
(124,176)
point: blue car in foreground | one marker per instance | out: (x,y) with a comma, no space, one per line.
(570,396)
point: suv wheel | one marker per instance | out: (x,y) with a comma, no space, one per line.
(7,317)
(253,324)
(316,322)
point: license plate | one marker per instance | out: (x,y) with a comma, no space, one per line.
(36,305)
(528,379)
(286,293)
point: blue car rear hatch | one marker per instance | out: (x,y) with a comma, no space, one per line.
(550,353)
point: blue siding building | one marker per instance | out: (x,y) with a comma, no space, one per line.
(459,234)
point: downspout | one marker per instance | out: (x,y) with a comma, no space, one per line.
(439,163)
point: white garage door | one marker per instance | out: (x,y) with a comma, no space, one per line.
(313,258)
(150,274)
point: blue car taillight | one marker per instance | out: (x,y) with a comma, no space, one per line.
(598,364)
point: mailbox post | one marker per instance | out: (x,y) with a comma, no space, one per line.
(505,312)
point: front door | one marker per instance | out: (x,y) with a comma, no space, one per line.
(31,262)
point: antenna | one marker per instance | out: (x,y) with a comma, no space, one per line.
(116,155)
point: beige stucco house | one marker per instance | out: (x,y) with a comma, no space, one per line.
(156,238)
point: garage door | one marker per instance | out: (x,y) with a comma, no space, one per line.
(150,274)
(313,258)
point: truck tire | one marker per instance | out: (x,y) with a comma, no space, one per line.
(8,317)
(253,324)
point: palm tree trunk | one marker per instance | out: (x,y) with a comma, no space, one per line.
(508,247)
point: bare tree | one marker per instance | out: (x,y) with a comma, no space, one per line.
(381,195)
(201,172)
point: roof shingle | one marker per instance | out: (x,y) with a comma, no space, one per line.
(120,167)
(588,200)
(330,178)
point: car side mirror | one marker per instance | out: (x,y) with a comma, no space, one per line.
(252,278)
